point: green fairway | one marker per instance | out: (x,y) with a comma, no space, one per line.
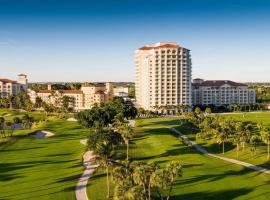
(204,177)
(45,168)
(259,159)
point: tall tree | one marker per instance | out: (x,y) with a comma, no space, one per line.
(27,121)
(265,135)
(2,126)
(126,132)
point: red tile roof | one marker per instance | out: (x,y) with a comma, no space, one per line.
(217,83)
(8,81)
(168,45)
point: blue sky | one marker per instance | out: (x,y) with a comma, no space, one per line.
(57,40)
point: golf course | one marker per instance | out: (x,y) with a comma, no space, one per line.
(203,177)
(48,168)
(42,168)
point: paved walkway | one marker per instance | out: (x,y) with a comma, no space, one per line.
(88,160)
(202,150)
(131,122)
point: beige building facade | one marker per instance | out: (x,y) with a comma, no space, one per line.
(11,87)
(87,97)
(163,76)
(221,92)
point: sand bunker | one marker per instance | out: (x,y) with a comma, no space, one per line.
(43,134)
(6,115)
(84,142)
(72,120)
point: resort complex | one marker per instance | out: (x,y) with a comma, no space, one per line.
(134,100)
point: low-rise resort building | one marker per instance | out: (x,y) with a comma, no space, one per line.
(85,98)
(221,92)
(11,87)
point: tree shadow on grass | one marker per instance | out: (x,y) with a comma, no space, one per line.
(217,148)
(58,154)
(209,177)
(219,195)
(21,149)
(162,122)
(9,177)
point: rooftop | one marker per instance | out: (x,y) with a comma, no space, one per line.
(217,83)
(160,45)
(60,91)
(7,81)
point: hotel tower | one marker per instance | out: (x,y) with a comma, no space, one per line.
(163,76)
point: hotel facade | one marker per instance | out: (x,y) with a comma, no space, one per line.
(163,76)
(11,87)
(85,98)
(221,92)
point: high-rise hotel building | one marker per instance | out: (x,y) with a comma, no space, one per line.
(163,75)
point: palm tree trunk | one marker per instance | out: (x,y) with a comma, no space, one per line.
(149,190)
(237,150)
(127,148)
(223,146)
(268,149)
(108,184)
(170,190)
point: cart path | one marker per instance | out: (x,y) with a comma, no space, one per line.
(203,151)
(88,162)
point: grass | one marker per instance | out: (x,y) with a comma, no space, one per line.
(10,114)
(42,169)
(230,150)
(204,177)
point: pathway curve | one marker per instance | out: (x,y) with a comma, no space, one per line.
(88,162)
(202,150)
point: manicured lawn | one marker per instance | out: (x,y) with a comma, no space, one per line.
(9,114)
(45,168)
(261,156)
(204,177)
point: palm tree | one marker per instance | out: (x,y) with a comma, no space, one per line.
(39,102)
(104,150)
(2,124)
(208,111)
(224,131)
(175,170)
(237,141)
(28,105)
(254,140)
(27,121)
(126,132)
(265,135)
(244,129)
(11,99)
(260,126)
(197,110)
(65,102)
(237,136)
(142,176)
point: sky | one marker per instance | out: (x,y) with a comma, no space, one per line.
(79,40)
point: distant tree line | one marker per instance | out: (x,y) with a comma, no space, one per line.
(262,91)
(64,86)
